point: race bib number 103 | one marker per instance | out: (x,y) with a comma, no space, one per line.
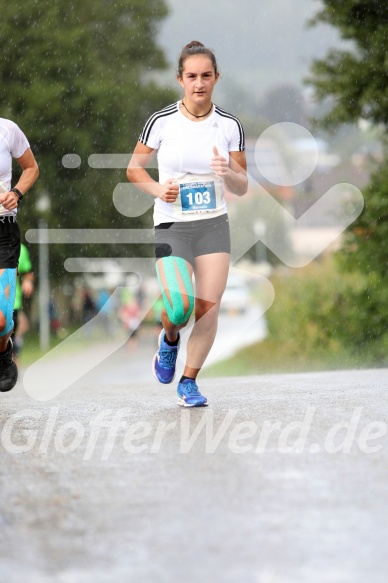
(197,197)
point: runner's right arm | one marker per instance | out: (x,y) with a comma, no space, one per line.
(138,175)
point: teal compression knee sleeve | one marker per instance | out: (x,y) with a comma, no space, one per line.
(177,289)
(7,298)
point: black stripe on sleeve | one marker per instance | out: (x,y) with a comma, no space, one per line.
(170,109)
(239,125)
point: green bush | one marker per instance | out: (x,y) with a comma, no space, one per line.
(317,310)
(315,324)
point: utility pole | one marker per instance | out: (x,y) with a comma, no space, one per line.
(44,288)
(43,205)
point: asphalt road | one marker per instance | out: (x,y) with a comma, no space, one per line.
(282,479)
(113,360)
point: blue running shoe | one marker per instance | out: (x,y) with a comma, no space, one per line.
(164,361)
(189,395)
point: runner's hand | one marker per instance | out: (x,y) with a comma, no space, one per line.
(218,163)
(27,286)
(9,200)
(170,190)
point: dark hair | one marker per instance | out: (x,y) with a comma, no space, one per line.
(195,48)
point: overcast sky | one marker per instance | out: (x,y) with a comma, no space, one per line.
(258,43)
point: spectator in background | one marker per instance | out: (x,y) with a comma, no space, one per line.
(104,308)
(130,316)
(24,288)
(88,306)
(55,324)
(88,312)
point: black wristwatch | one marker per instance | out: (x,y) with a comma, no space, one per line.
(18,193)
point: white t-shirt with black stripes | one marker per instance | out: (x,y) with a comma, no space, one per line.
(184,151)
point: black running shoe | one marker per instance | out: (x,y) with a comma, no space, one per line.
(8,369)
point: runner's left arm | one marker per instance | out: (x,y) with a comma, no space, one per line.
(234,174)
(30,173)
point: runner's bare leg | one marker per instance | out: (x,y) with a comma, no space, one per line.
(211,274)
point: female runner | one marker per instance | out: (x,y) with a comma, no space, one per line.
(200,152)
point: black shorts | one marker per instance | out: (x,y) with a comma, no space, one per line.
(9,243)
(190,239)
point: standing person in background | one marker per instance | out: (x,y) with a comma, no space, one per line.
(200,149)
(88,312)
(13,144)
(24,289)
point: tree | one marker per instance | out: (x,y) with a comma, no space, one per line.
(356,81)
(75,76)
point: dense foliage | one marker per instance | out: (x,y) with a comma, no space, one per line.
(355,80)
(75,76)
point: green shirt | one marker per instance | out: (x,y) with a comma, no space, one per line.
(24,266)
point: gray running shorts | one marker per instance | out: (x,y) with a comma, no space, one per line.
(190,239)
